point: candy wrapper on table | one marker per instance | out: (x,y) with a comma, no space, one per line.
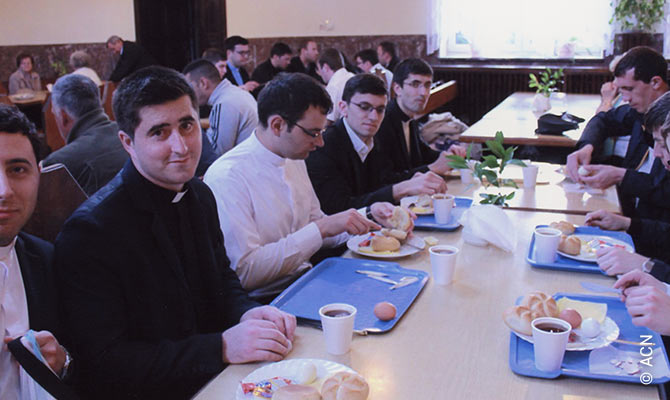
(265,388)
(488,224)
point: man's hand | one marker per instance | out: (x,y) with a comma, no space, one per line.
(616,261)
(51,350)
(441,165)
(603,176)
(285,322)
(608,92)
(420,183)
(607,220)
(636,278)
(577,159)
(250,86)
(254,340)
(383,211)
(350,221)
(457,150)
(646,300)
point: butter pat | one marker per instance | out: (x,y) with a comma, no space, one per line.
(586,309)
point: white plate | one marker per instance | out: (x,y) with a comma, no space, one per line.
(406,201)
(609,331)
(23,96)
(591,257)
(286,369)
(404,251)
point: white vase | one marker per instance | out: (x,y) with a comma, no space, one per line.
(541,103)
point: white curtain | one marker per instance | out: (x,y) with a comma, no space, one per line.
(433,37)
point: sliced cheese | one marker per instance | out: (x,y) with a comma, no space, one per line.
(421,210)
(431,240)
(586,309)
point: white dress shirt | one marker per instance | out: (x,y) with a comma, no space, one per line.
(387,74)
(266,207)
(13,319)
(335,87)
(359,145)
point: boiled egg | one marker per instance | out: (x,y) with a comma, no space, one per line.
(385,311)
(590,328)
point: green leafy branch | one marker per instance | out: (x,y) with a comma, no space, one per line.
(490,167)
(636,14)
(547,81)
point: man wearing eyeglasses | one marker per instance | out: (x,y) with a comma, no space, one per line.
(350,171)
(398,136)
(237,53)
(270,216)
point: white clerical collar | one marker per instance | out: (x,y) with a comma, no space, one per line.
(177,197)
(6,250)
(265,153)
(359,145)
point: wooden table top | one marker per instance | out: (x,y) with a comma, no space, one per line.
(23,99)
(515,118)
(452,342)
(551,194)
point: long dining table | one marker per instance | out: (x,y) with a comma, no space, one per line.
(452,342)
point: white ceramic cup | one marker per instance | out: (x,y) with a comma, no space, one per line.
(443,263)
(442,204)
(530,175)
(337,329)
(549,347)
(546,244)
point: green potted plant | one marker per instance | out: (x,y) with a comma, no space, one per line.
(637,22)
(490,167)
(544,86)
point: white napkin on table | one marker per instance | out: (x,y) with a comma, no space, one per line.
(488,224)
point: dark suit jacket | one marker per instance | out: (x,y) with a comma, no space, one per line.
(265,72)
(296,65)
(132,58)
(140,329)
(340,179)
(94,153)
(403,162)
(243,73)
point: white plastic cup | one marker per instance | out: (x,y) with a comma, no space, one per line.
(443,263)
(337,329)
(466,176)
(549,347)
(546,244)
(442,204)
(530,175)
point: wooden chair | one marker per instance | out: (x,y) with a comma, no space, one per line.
(440,95)
(3,88)
(58,197)
(54,139)
(108,89)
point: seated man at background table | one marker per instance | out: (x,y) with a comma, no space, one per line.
(218,58)
(331,69)
(26,277)
(233,116)
(387,55)
(237,54)
(270,216)
(642,181)
(651,236)
(399,138)
(349,171)
(280,57)
(93,153)
(305,61)
(367,61)
(148,296)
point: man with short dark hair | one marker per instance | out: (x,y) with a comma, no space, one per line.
(92,153)
(218,58)
(387,55)
(148,296)
(280,57)
(132,57)
(28,295)
(330,67)
(399,137)
(237,54)
(349,171)
(233,117)
(367,61)
(305,61)
(270,216)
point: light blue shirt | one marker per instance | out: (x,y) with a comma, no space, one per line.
(236,73)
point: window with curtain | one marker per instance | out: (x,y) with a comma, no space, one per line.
(523,28)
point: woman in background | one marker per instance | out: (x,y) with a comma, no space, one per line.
(24,77)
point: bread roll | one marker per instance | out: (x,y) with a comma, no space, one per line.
(345,386)
(396,233)
(400,219)
(518,319)
(540,305)
(570,245)
(564,226)
(384,243)
(424,201)
(296,392)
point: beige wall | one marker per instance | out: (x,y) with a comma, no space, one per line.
(271,18)
(28,22)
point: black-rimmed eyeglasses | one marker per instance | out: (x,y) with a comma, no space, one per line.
(366,107)
(315,133)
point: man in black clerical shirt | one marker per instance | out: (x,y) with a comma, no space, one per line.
(148,296)
(387,55)
(280,57)
(349,171)
(305,61)
(131,57)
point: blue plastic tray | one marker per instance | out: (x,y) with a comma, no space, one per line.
(568,264)
(576,363)
(335,280)
(427,222)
